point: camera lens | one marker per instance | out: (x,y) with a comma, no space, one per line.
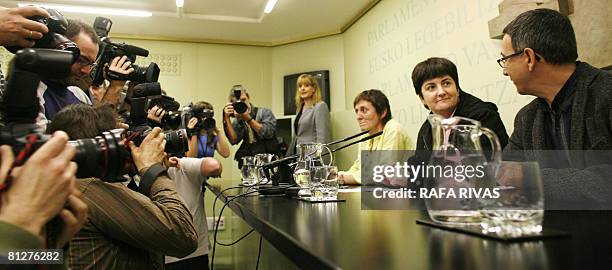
(176,142)
(208,123)
(240,107)
(145,74)
(104,156)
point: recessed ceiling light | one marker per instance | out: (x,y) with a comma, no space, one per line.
(92,10)
(180,3)
(270,6)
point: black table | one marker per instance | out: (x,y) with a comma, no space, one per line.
(342,236)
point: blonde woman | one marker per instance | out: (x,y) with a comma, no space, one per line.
(312,120)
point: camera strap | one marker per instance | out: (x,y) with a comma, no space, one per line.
(19,160)
(116,76)
(149,177)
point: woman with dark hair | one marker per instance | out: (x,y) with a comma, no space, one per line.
(312,120)
(204,142)
(374,115)
(436,83)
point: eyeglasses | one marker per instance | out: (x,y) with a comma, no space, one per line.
(502,61)
(84,62)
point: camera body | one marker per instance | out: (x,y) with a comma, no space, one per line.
(55,38)
(239,106)
(110,50)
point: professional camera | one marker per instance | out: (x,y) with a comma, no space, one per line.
(105,157)
(239,106)
(143,96)
(55,38)
(204,117)
(110,50)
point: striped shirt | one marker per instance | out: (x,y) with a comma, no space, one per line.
(127,230)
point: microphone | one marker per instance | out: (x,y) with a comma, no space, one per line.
(355,142)
(348,138)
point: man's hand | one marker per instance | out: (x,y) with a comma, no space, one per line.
(151,150)
(73,218)
(17,29)
(228,110)
(245,116)
(41,186)
(156,114)
(120,65)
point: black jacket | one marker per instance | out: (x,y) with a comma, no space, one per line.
(474,108)
(586,183)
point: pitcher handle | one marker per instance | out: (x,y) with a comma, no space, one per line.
(497,151)
(331,156)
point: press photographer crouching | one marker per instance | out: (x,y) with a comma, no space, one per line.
(127,229)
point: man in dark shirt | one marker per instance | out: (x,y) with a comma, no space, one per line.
(571,113)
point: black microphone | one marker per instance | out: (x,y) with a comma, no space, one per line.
(355,142)
(346,139)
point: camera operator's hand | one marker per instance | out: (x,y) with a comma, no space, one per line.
(245,116)
(150,151)
(74,217)
(228,111)
(192,123)
(17,29)
(156,114)
(41,186)
(121,65)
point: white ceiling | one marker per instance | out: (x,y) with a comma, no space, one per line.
(225,21)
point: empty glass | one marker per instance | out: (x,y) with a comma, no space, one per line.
(260,160)
(324,184)
(249,171)
(519,208)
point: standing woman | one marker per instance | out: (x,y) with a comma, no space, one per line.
(312,121)
(203,143)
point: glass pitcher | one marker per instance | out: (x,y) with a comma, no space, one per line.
(458,176)
(309,156)
(261,159)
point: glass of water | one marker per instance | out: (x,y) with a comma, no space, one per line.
(324,185)
(519,208)
(249,171)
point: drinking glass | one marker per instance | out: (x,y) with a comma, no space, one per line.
(249,171)
(324,184)
(519,208)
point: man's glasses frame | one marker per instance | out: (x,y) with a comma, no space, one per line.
(502,61)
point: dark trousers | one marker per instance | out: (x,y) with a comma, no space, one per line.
(196,263)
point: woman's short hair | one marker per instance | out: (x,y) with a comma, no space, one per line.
(308,80)
(431,68)
(378,99)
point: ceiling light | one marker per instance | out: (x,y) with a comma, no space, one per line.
(180,3)
(270,6)
(92,10)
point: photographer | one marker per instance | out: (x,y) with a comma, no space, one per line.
(56,95)
(206,137)
(127,229)
(39,191)
(255,127)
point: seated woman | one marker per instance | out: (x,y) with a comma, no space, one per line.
(374,114)
(204,142)
(437,85)
(312,121)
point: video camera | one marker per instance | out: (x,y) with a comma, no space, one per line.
(143,98)
(56,37)
(239,106)
(203,115)
(110,50)
(106,156)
